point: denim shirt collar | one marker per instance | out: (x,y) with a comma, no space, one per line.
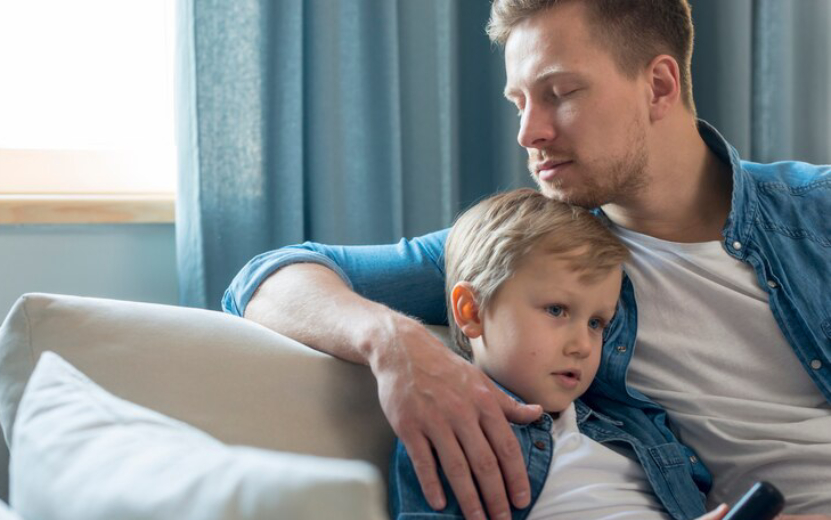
(583,412)
(743,200)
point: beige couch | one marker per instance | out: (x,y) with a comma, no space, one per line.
(239,382)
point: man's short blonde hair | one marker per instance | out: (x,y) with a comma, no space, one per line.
(489,241)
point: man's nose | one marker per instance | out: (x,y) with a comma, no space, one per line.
(536,127)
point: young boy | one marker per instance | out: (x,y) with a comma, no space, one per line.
(531,286)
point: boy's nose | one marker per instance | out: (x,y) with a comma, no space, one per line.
(579,343)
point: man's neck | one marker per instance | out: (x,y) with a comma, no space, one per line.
(687,198)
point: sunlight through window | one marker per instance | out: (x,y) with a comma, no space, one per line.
(86,96)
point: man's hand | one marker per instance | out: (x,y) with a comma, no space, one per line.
(433,398)
(436,400)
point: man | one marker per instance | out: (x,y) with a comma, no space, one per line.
(725,318)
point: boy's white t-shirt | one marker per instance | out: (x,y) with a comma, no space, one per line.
(588,481)
(709,350)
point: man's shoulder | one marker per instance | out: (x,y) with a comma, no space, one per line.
(784,201)
(787,174)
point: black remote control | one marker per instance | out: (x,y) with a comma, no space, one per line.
(762,502)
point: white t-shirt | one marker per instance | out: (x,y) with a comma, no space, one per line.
(588,481)
(709,350)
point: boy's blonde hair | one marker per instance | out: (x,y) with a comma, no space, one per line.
(488,242)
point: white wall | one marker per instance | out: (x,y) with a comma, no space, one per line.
(126,261)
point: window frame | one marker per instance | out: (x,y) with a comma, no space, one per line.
(88,179)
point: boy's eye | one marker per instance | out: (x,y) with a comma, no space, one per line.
(595,323)
(555,310)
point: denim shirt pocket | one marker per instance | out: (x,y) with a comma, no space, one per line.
(672,463)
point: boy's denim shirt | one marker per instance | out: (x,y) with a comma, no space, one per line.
(664,465)
(778,224)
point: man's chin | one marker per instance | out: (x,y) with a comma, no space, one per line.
(572,197)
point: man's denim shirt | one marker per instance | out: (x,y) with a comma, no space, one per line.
(665,467)
(779,224)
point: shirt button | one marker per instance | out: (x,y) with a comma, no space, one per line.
(816,364)
(693,459)
(540,445)
(621,348)
(737,245)
(772,284)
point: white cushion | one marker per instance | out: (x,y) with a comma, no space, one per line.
(6,514)
(80,453)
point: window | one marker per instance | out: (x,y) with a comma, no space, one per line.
(86,111)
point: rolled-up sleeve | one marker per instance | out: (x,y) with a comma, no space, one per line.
(407,276)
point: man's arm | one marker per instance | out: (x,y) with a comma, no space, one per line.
(432,398)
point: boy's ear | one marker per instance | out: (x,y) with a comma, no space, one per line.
(466,310)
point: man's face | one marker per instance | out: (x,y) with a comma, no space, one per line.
(582,121)
(543,330)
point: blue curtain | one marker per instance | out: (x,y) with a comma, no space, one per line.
(341,121)
(762,75)
(361,121)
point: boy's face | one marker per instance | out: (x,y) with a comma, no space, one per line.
(542,332)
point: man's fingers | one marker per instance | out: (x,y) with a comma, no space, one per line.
(436,400)
(515,412)
(485,466)
(506,444)
(518,413)
(509,454)
(455,465)
(418,448)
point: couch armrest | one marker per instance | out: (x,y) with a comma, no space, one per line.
(230,377)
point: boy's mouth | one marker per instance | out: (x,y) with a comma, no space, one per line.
(568,378)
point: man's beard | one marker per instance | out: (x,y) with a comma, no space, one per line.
(600,181)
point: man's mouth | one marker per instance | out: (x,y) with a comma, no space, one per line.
(548,170)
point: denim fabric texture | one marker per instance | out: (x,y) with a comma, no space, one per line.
(778,224)
(663,463)
(406,501)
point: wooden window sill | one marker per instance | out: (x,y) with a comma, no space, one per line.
(87,209)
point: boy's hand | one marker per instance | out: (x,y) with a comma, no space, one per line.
(716,514)
(435,400)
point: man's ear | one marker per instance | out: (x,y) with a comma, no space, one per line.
(466,310)
(664,78)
